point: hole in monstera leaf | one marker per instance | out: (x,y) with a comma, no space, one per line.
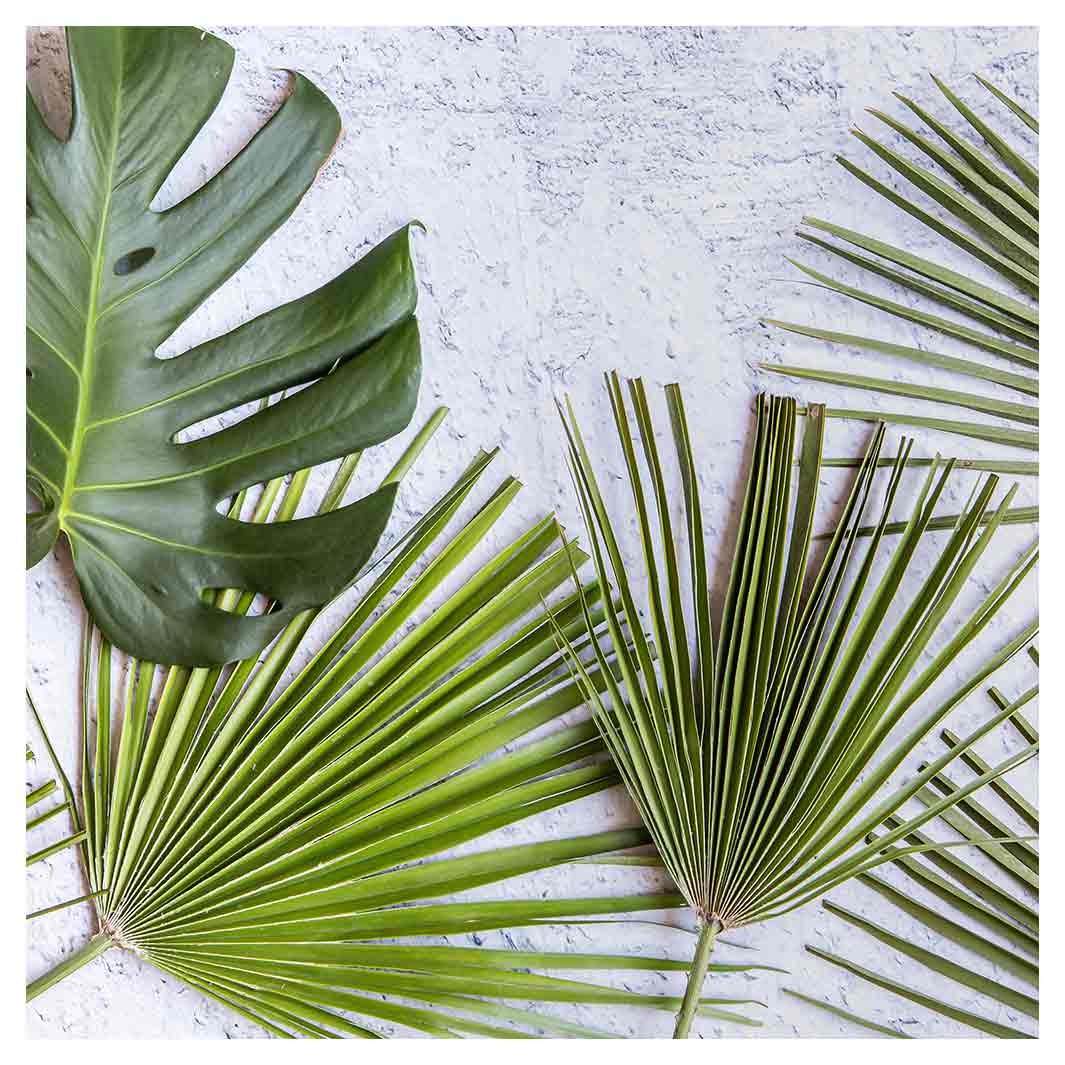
(238,601)
(48,77)
(133,260)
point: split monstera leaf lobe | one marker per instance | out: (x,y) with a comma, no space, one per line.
(109,279)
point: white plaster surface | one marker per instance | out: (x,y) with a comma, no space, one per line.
(595,198)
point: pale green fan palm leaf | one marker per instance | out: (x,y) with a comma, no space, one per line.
(293,847)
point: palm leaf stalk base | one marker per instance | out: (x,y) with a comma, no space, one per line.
(704,947)
(282,845)
(86,953)
(753,744)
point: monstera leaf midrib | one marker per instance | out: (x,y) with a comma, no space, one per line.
(84,376)
(110,280)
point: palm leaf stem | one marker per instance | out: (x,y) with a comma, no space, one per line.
(82,956)
(704,947)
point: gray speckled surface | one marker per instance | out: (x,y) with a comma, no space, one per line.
(595,199)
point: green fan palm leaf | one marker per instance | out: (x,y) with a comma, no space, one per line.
(754,745)
(76,837)
(291,846)
(981,199)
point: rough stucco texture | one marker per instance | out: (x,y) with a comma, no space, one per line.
(595,198)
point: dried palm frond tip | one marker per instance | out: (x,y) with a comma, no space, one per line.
(751,743)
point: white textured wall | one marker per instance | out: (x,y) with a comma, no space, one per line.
(594,199)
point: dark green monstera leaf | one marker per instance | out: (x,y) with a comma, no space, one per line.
(109,279)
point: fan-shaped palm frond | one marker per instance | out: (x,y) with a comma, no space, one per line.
(983,201)
(993,920)
(284,847)
(753,744)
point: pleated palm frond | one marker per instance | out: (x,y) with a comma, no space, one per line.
(287,847)
(993,921)
(981,199)
(755,744)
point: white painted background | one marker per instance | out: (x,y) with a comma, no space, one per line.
(594,199)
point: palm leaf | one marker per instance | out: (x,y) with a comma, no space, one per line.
(292,847)
(109,279)
(751,743)
(984,201)
(886,983)
(993,923)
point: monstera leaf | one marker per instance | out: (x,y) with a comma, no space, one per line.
(109,279)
